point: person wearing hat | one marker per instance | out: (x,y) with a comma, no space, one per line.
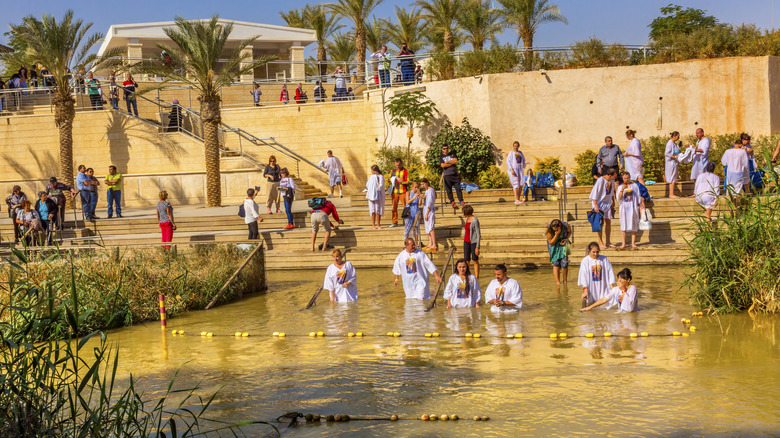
(174,118)
(14,202)
(55,190)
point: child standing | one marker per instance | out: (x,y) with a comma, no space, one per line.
(471,237)
(623,295)
(375,193)
(596,275)
(429,213)
(414,209)
(528,184)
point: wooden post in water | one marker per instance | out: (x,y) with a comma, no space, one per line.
(162,312)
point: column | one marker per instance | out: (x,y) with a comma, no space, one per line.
(135,53)
(297,70)
(249,76)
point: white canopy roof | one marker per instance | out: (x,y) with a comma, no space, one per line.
(269,36)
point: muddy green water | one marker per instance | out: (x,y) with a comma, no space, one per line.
(706,384)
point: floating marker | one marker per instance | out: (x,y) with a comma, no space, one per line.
(588,335)
(695,314)
(320,334)
(445,417)
(477,335)
(519,335)
(174,332)
(552,336)
(275,334)
(396,335)
(350,335)
(238,334)
(435,334)
(281,335)
(607,334)
(203,333)
(434,417)
(477,418)
(485,418)
(427,335)
(685,335)
(692,328)
(359,334)
(394,417)
(675,333)
(510,336)
(643,334)
(389,333)
(181,332)
(209,335)
(425,417)
(468,335)
(454,417)
(312,334)
(562,335)
(245,335)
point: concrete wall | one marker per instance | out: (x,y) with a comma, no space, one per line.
(566,112)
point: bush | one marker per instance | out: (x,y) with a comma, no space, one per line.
(585,162)
(474,150)
(595,53)
(493,178)
(498,59)
(441,66)
(385,159)
(549,164)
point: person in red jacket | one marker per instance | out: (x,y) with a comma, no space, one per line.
(319,217)
(300,95)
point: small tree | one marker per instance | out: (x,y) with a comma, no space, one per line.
(410,110)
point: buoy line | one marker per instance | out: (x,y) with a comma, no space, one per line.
(341,418)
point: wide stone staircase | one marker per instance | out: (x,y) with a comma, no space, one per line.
(510,234)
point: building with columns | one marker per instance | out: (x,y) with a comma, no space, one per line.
(286,43)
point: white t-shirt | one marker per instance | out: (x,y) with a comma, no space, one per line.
(430,201)
(597,276)
(341,81)
(509,291)
(251,211)
(627,303)
(333,166)
(736,160)
(375,188)
(602,193)
(455,291)
(414,270)
(335,278)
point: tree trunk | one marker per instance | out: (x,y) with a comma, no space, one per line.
(211,117)
(528,44)
(64,113)
(449,41)
(322,68)
(360,46)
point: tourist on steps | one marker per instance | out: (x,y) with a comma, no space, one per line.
(601,198)
(558,235)
(272,174)
(707,189)
(114,191)
(165,218)
(610,157)
(414,268)
(47,210)
(471,238)
(252,214)
(335,171)
(448,161)
(596,276)
(128,89)
(375,193)
(56,192)
(319,218)
(83,184)
(410,229)
(624,295)
(462,288)
(399,185)
(341,280)
(736,162)
(515,166)
(631,204)
(701,154)
(94,195)
(14,203)
(504,293)
(429,214)
(287,188)
(633,158)
(671,163)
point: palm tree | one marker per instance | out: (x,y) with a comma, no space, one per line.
(294,18)
(481,23)
(342,48)
(526,16)
(410,29)
(376,34)
(60,46)
(198,51)
(323,24)
(442,15)
(356,11)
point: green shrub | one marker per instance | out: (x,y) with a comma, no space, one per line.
(549,164)
(474,150)
(497,59)
(585,161)
(493,178)
(385,159)
(441,66)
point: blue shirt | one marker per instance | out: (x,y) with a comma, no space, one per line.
(43,209)
(81,178)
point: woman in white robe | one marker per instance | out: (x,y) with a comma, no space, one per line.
(341,280)
(736,162)
(624,295)
(631,205)
(515,168)
(596,276)
(707,189)
(462,288)
(671,165)
(633,157)
(375,193)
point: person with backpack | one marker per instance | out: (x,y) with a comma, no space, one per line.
(252,214)
(529,184)
(287,189)
(321,208)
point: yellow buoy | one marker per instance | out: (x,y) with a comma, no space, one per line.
(468,335)
(675,333)
(427,335)
(510,336)
(203,333)
(238,334)
(633,335)
(312,334)
(518,335)
(643,334)
(209,335)
(276,334)
(588,335)
(174,332)
(281,335)
(435,334)
(607,334)
(683,320)
(700,314)
(477,335)
(695,314)
(562,335)
(692,328)
(320,334)
(389,333)
(181,332)
(359,334)
(245,335)
(396,335)
(553,336)
(685,335)
(350,335)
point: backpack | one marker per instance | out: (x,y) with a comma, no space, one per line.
(643,191)
(241,211)
(317,203)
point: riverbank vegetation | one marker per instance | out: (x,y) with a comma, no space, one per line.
(735,265)
(121,288)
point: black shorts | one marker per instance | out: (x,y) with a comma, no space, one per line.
(470,251)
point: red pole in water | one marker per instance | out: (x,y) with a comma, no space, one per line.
(162,311)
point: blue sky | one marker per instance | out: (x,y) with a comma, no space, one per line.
(623,21)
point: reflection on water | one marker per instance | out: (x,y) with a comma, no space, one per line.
(704,384)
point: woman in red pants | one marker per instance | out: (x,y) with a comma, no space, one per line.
(165,218)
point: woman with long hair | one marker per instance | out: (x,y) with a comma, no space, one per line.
(671,163)
(558,234)
(462,288)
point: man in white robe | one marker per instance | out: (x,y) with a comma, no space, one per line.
(414,267)
(601,199)
(504,293)
(736,161)
(701,154)
(335,170)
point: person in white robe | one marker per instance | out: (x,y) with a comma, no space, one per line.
(504,293)
(462,288)
(335,170)
(631,204)
(671,164)
(624,295)
(596,276)
(701,154)
(375,193)
(515,168)
(340,280)
(414,267)
(601,199)
(707,189)
(633,157)
(429,213)
(736,162)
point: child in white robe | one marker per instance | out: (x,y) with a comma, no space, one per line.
(671,164)
(375,193)
(504,293)
(429,213)
(596,276)
(624,295)
(707,189)
(462,288)
(414,267)
(341,280)
(631,205)
(736,161)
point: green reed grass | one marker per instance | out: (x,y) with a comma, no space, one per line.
(68,387)
(735,265)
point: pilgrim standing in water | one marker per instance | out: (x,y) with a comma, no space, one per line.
(624,295)
(671,165)
(515,167)
(462,288)
(558,235)
(631,205)
(341,280)
(414,268)
(375,193)
(504,293)
(596,276)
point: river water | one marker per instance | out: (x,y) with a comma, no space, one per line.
(706,384)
